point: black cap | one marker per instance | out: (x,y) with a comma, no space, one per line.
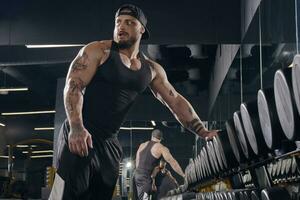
(136,12)
(158,134)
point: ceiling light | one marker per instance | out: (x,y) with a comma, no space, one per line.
(44,128)
(42,156)
(136,128)
(2,124)
(23,145)
(40,151)
(13,89)
(7,157)
(53,45)
(29,113)
(153,123)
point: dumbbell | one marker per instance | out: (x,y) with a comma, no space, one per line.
(198,168)
(274,169)
(278,169)
(212,157)
(229,196)
(254,195)
(282,170)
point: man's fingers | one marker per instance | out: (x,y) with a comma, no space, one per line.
(211,134)
(78,148)
(90,141)
(84,148)
(71,148)
(79,143)
(209,137)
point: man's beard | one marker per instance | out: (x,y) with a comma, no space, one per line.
(126,44)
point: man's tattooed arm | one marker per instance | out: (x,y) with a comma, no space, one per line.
(195,125)
(178,105)
(73,98)
(80,72)
(80,63)
(186,115)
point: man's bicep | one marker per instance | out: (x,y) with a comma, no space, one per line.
(83,67)
(167,155)
(163,90)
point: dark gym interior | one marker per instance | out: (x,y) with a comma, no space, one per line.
(235,61)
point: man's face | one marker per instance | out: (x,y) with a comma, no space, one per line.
(128,30)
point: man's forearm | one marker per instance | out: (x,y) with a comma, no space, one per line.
(153,181)
(73,99)
(186,115)
(154,172)
(177,168)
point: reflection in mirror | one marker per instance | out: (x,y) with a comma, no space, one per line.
(180,142)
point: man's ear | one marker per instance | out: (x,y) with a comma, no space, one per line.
(142,30)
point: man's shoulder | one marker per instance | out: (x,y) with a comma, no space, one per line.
(97,49)
(97,46)
(155,67)
(152,63)
(143,144)
(159,145)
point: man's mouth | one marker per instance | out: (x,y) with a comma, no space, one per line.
(122,34)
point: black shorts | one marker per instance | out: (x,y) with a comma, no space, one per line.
(92,177)
(143,184)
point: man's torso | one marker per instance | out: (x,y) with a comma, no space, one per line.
(112,91)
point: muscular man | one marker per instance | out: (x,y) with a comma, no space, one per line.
(162,180)
(102,83)
(147,158)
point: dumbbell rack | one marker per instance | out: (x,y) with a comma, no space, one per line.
(254,176)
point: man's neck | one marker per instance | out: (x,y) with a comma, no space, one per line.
(132,51)
(155,140)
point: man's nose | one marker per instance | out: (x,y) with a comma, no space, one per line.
(121,26)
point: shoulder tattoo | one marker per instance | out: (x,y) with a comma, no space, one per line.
(80,63)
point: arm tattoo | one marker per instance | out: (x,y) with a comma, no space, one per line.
(195,125)
(80,63)
(75,86)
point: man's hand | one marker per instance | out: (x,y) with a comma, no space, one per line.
(79,141)
(208,134)
(154,188)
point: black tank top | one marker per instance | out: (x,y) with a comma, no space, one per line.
(111,93)
(147,161)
